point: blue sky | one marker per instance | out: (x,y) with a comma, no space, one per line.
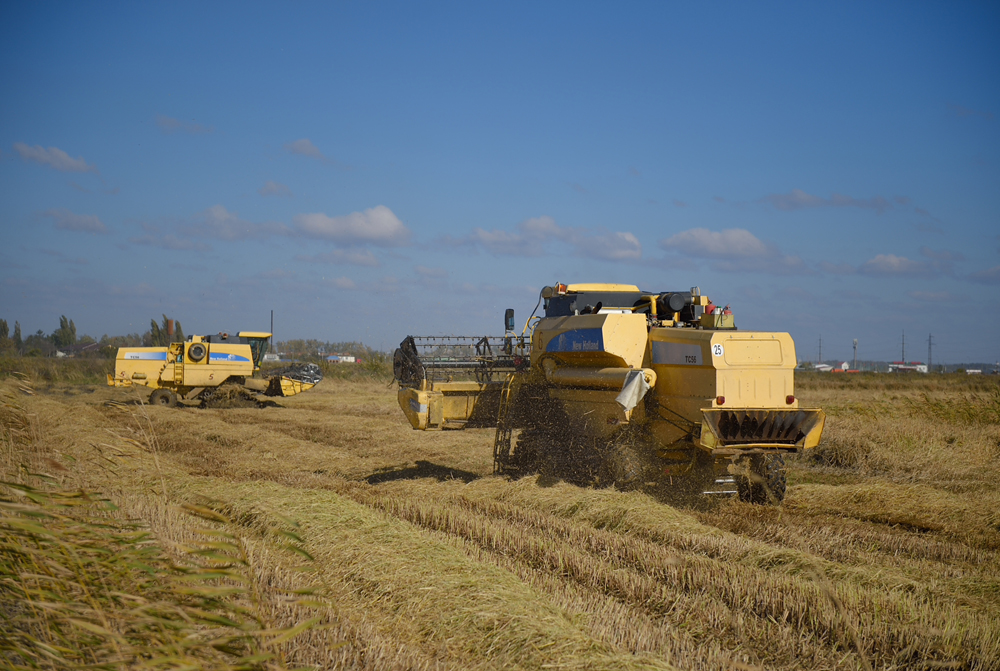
(370,170)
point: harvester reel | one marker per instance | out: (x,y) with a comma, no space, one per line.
(406,366)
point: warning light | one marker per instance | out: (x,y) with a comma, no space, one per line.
(720,400)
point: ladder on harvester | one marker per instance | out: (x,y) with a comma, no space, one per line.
(178,352)
(505,428)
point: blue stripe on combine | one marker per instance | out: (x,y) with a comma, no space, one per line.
(227,357)
(577,340)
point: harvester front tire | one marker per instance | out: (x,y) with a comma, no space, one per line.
(163,397)
(763,480)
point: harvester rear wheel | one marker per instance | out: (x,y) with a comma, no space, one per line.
(163,397)
(761,479)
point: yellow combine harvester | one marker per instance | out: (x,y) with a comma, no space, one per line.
(618,385)
(205,365)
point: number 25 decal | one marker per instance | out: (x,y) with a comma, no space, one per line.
(717,350)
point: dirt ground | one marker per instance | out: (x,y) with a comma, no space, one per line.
(884,555)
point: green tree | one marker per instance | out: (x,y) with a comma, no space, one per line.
(156,337)
(38,344)
(18,343)
(158,333)
(65,335)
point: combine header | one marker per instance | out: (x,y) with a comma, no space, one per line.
(618,385)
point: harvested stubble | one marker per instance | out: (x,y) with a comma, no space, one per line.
(884,560)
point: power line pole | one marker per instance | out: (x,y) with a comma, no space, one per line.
(903,355)
(930,343)
(855,354)
(820,350)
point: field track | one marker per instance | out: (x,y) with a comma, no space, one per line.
(885,554)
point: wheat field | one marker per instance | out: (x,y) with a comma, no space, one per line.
(326,533)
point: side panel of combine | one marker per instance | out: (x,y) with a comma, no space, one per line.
(220,362)
(139,365)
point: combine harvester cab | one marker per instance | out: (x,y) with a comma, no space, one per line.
(619,385)
(197,368)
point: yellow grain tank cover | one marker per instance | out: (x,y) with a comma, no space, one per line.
(579,288)
(605,340)
(253,334)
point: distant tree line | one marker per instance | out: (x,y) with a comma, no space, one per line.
(64,339)
(306,349)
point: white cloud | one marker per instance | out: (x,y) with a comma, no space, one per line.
(616,246)
(70,221)
(168,241)
(837,268)
(275,274)
(304,147)
(961,111)
(170,125)
(53,157)
(890,265)
(377,225)
(65,258)
(386,285)
(341,283)
(733,250)
(531,236)
(931,296)
(272,188)
(354,257)
(942,255)
(990,276)
(218,222)
(506,243)
(431,273)
(731,243)
(798,199)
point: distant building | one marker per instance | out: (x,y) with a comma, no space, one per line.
(340,358)
(76,350)
(904,367)
(272,356)
(974,371)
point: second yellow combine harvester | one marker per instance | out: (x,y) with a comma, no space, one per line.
(617,385)
(207,367)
